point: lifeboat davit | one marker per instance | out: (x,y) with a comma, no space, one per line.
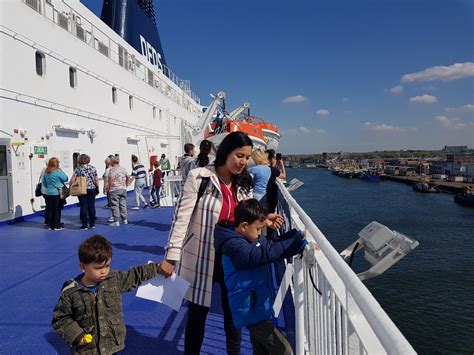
(216,132)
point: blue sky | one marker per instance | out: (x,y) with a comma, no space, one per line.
(333,75)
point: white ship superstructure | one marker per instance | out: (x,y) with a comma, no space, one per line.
(70,85)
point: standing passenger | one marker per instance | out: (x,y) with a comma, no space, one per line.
(261,173)
(164,164)
(139,174)
(116,184)
(108,164)
(185,160)
(156,186)
(53,180)
(87,201)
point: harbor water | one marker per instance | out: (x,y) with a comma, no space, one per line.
(430,293)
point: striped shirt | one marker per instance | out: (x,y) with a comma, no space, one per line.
(139,171)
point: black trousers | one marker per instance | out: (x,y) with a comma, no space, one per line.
(196,321)
(87,204)
(53,211)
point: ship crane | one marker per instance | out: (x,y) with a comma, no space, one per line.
(218,101)
(235,113)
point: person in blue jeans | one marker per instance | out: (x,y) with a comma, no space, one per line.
(87,201)
(245,260)
(53,181)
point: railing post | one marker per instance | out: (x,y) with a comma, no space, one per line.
(300,337)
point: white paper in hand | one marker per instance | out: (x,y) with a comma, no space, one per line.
(168,291)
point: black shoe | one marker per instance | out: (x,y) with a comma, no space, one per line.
(83,228)
(91,227)
(145,206)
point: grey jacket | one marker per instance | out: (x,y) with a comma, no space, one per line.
(79,311)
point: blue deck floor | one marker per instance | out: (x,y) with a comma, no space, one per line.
(34,263)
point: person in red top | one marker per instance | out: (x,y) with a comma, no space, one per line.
(156,186)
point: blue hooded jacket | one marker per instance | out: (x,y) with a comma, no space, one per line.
(247,274)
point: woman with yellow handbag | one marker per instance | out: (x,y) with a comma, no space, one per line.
(85,185)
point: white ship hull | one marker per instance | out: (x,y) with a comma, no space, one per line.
(44,114)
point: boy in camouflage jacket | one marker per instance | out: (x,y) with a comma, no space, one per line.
(88,315)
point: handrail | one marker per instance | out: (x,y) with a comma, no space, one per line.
(343,291)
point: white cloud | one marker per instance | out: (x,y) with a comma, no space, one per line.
(453,122)
(426,99)
(465,108)
(397,89)
(322,112)
(298,99)
(303,130)
(386,128)
(452,72)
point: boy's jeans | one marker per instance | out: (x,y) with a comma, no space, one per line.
(155,194)
(139,186)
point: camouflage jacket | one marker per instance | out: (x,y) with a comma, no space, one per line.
(79,311)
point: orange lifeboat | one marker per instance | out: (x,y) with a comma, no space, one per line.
(216,133)
(270,133)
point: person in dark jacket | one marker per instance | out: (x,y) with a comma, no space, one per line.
(245,259)
(88,315)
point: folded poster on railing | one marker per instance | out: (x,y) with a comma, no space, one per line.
(169,291)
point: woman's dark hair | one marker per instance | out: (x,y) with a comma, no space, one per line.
(231,142)
(134,158)
(204,150)
(271,154)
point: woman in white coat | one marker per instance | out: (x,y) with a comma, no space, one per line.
(191,241)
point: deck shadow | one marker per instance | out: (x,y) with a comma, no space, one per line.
(57,343)
(151,249)
(162,227)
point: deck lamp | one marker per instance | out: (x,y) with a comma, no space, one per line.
(382,247)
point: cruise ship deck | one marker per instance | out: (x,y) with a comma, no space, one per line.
(35,262)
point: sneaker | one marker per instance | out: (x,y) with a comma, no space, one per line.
(124,221)
(83,228)
(91,227)
(135,208)
(156,206)
(145,206)
(111,219)
(57,229)
(107,206)
(114,224)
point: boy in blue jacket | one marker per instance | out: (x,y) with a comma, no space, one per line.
(245,259)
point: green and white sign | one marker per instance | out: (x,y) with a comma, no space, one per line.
(40,149)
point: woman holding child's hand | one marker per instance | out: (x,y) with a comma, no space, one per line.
(209,197)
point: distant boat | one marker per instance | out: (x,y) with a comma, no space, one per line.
(370,177)
(465,198)
(424,187)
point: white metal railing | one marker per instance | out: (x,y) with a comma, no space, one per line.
(345,318)
(81,28)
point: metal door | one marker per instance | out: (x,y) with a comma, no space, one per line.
(6,193)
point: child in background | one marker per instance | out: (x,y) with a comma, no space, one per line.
(245,259)
(88,315)
(156,186)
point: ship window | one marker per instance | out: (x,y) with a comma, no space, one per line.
(114,95)
(40,63)
(154,112)
(130,102)
(72,77)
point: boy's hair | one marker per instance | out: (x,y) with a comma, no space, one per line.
(188,147)
(156,164)
(249,211)
(95,249)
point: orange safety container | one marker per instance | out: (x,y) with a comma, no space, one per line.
(153,158)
